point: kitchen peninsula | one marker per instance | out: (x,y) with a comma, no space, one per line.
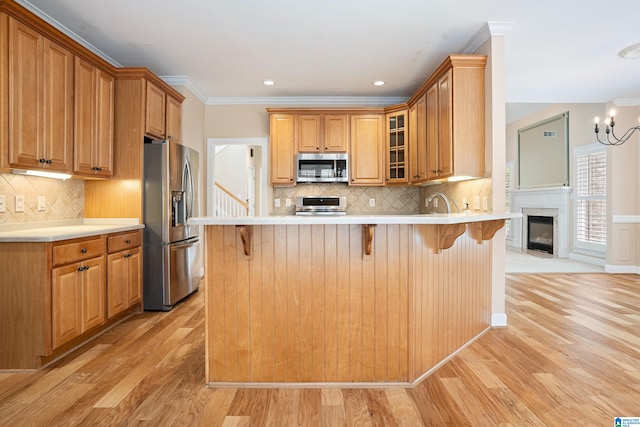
(352,299)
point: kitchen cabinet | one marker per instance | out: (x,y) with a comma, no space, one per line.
(131,86)
(282,149)
(397,148)
(455,118)
(366,149)
(56,295)
(322,133)
(124,272)
(162,114)
(418,139)
(77,289)
(94,120)
(174,119)
(40,100)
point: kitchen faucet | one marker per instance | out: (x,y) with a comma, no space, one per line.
(446,201)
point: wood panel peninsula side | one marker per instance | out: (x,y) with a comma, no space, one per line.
(352,300)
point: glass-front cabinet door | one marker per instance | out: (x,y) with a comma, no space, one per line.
(397,148)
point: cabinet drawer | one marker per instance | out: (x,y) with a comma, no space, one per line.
(78,251)
(124,241)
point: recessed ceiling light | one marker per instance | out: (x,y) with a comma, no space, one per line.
(630,52)
(269,82)
(378,83)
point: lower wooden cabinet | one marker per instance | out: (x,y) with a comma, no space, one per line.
(55,295)
(124,272)
(77,299)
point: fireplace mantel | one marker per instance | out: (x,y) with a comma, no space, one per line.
(528,201)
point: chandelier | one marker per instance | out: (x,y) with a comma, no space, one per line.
(611,138)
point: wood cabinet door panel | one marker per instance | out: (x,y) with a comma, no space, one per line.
(445,126)
(103,147)
(117,292)
(84,117)
(93,293)
(308,132)
(173,119)
(432,132)
(66,304)
(282,146)
(336,132)
(155,116)
(25,96)
(58,107)
(135,277)
(367,149)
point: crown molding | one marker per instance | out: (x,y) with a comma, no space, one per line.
(627,102)
(186,82)
(60,27)
(359,101)
(490,29)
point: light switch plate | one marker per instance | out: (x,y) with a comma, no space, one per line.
(485,203)
(276,203)
(19,203)
(476,203)
(372,202)
(3,203)
(42,204)
(287,202)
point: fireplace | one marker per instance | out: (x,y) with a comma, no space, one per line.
(540,233)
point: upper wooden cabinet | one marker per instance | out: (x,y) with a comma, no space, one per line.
(366,151)
(94,112)
(282,151)
(316,133)
(174,119)
(397,147)
(455,118)
(40,91)
(162,114)
(418,139)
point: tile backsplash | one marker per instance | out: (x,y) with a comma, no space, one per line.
(458,192)
(396,200)
(63,199)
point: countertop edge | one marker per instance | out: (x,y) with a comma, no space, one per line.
(50,232)
(354,219)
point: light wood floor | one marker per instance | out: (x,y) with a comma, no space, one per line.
(570,356)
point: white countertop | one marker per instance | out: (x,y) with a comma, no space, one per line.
(53,231)
(454,218)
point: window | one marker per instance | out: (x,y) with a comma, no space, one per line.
(591,198)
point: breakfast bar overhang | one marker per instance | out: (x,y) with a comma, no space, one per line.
(350,301)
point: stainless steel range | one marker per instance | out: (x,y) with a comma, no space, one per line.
(321,205)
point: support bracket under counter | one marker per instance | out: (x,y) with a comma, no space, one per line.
(245,236)
(367,232)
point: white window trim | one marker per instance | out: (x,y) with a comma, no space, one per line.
(580,246)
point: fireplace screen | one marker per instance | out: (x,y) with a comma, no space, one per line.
(540,232)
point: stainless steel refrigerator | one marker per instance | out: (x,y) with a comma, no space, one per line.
(172,254)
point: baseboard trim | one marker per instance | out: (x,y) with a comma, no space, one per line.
(499,320)
(621,269)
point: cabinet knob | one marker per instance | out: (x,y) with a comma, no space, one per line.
(85,268)
(41,160)
(48,161)
(80,268)
(83,250)
(127,241)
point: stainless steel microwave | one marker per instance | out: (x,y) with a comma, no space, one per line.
(322,167)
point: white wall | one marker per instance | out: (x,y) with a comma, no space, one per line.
(231,169)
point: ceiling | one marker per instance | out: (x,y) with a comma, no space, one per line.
(556,51)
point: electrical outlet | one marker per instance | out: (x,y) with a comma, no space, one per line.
(476,203)
(19,203)
(426,203)
(372,202)
(276,203)
(287,202)
(485,203)
(3,203)
(435,202)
